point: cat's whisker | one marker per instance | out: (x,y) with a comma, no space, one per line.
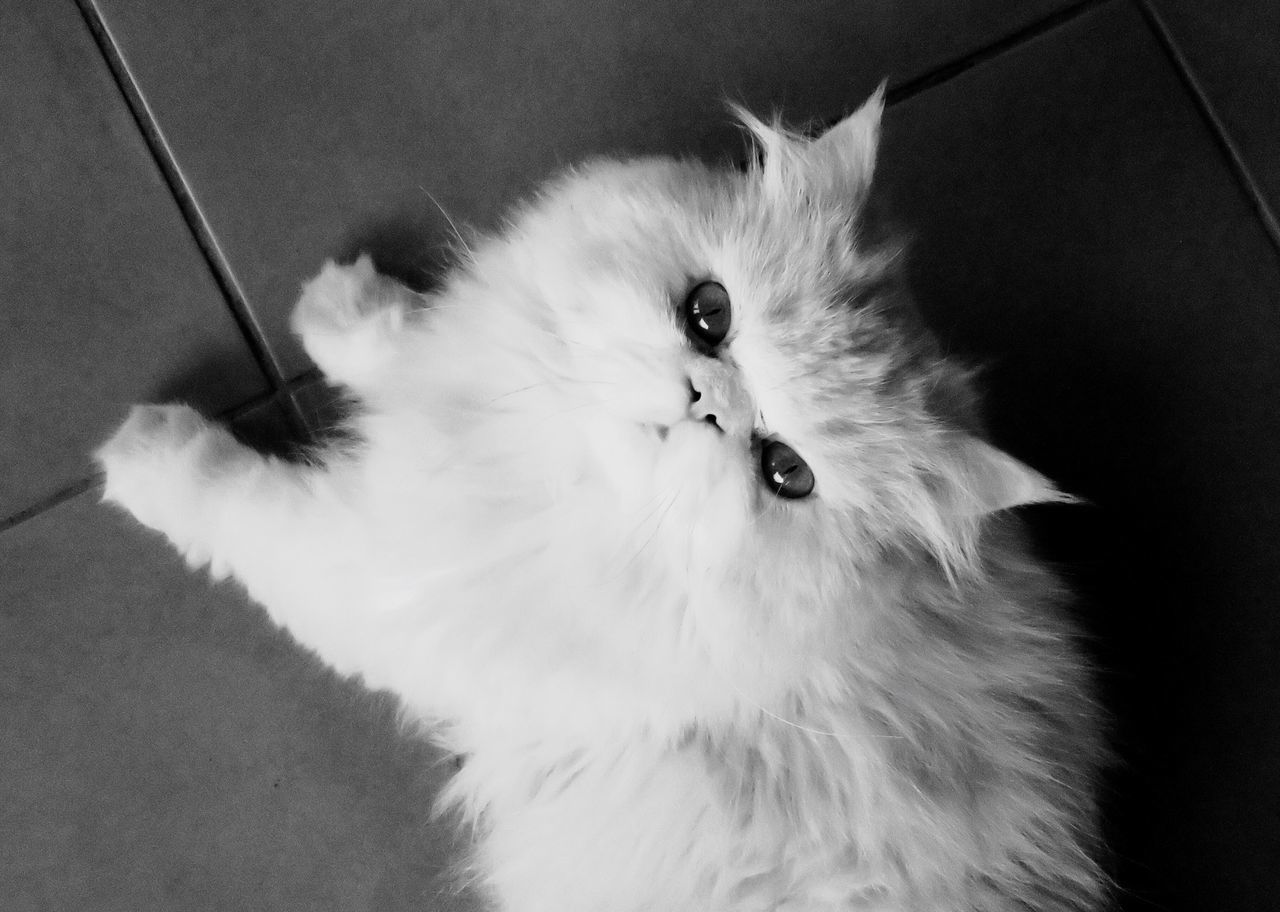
(537,422)
(563,379)
(517,391)
(728,682)
(635,555)
(448,218)
(649,508)
(560,413)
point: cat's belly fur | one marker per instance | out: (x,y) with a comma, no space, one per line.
(646,828)
(643,830)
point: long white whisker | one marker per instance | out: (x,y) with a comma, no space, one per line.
(772,715)
(671,500)
(448,218)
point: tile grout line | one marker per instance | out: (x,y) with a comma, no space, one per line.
(1218,129)
(950,70)
(50,501)
(181,192)
(162,157)
(96,478)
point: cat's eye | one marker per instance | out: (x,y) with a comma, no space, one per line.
(706,314)
(784,472)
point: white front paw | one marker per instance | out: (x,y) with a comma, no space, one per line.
(342,298)
(349,316)
(336,299)
(150,429)
(146,459)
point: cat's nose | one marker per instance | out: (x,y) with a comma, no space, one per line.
(718,397)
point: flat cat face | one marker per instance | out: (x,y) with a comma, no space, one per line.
(721,389)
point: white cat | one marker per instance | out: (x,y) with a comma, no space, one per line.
(673,515)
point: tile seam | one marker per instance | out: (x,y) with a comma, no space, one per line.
(1217,127)
(50,501)
(193,216)
(95,479)
(948,71)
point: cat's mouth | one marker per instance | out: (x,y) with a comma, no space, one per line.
(662,431)
(685,433)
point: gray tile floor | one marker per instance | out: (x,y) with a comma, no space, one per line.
(1090,188)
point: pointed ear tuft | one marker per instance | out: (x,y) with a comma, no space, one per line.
(845,155)
(990,480)
(836,167)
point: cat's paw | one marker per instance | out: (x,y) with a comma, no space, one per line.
(349,317)
(337,299)
(172,470)
(149,429)
(148,461)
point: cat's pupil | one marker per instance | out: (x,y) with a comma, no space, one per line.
(784,472)
(707,314)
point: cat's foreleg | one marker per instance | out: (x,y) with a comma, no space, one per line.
(350,318)
(292,534)
(219,502)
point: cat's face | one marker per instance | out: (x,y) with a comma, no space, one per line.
(752,410)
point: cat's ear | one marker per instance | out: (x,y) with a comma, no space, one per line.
(985,479)
(970,481)
(844,157)
(835,167)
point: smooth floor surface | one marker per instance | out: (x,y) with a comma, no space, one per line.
(1090,191)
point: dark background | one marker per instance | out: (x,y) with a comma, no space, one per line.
(1090,189)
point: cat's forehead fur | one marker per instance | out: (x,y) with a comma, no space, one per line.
(819,327)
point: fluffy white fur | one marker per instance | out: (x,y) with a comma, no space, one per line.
(674,690)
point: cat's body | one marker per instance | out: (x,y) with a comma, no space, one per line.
(577,532)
